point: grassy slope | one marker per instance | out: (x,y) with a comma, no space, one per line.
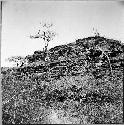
(72,80)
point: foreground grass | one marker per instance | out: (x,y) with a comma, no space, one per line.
(83,81)
(82,97)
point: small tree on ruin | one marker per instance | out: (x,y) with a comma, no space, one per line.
(46,34)
(18,60)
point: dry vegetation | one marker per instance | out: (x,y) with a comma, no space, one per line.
(82,80)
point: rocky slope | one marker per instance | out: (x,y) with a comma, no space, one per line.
(91,54)
(83,79)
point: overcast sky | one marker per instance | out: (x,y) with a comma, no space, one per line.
(71,19)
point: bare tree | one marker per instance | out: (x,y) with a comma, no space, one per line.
(46,34)
(104,53)
(96,33)
(102,49)
(19,60)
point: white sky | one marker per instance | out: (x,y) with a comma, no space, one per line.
(71,19)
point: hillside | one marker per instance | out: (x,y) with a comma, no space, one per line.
(84,79)
(77,58)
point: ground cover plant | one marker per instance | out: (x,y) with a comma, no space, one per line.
(81,82)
